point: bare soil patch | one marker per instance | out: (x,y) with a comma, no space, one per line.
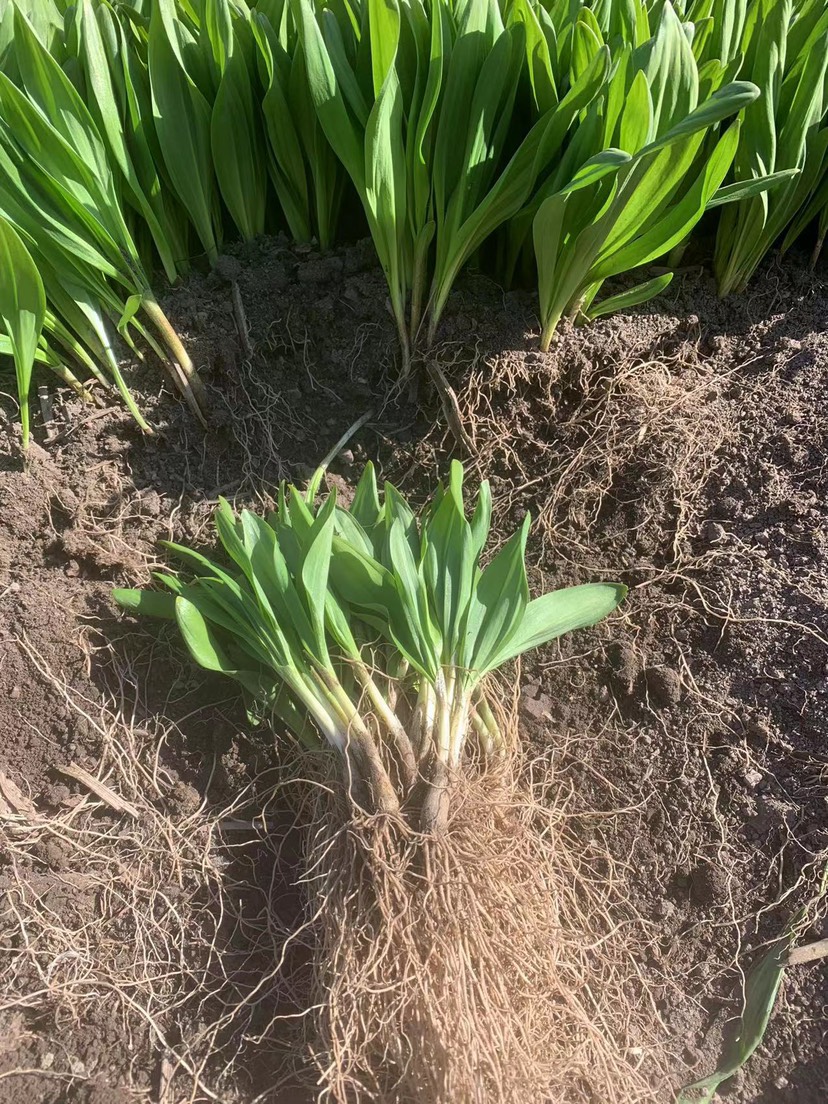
(681,450)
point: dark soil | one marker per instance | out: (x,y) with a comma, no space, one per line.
(681,450)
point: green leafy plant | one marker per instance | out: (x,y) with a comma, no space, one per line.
(306,174)
(22,312)
(118,98)
(587,140)
(370,630)
(58,190)
(648,184)
(786,55)
(417,102)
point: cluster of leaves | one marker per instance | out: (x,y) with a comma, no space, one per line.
(370,630)
(72,268)
(563,141)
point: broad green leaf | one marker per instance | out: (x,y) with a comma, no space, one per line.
(48,86)
(539,58)
(384,24)
(151,603)
(349,529)
(236,142)
(761,989)
(661,234)
(200,638)
(745,189)
(316,565)
(672,75)
(633,297)
(286,161)
(559,612)
(481,519)
(182,119)
(22,312)
(449,562)
(413,595)
(498,605)
(103,102)
(327,96)
(366,504)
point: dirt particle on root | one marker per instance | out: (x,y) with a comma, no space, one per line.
(321,270)
(708,884)
(227,268)
(183,798)
(100,1091)
(664,686)
(55,853)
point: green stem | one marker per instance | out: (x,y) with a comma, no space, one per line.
(170,367)
(308,693)
(459,726)
(24,420)
(175,346)
(395,676)
(422,722)
(418,288)
(548,331)
(67,339)
(402,330)
(68,377)
(820,242)
(124,391)
(434,810)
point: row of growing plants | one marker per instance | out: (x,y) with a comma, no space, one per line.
(549,140)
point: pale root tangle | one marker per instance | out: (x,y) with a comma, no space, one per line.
(166,918)
(481,969)
(492,967)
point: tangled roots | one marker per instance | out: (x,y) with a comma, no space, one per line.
(476,968)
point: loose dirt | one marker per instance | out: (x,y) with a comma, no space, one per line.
(680,449)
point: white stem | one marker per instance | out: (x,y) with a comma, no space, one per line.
(445,702)
(459,726)
(391,722)
(308,693)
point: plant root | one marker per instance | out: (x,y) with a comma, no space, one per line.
(475,968)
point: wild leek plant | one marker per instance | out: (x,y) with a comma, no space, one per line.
(22,312)
(648,182)
(114,77)
(417,100)
(58,191)
(306,173)
(208,123)
(786,54)
(369,630)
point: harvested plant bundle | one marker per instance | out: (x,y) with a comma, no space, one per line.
(369,634)
(372,632)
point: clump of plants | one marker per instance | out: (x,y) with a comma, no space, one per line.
(368,635)
(370,631)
